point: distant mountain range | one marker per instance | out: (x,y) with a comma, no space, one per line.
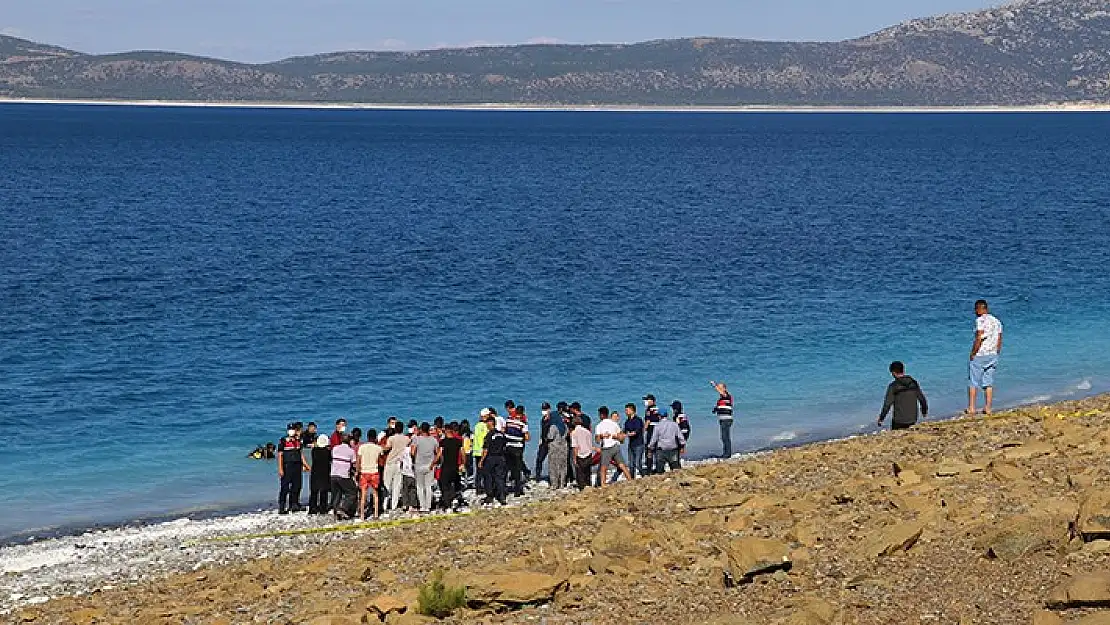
(1029,52)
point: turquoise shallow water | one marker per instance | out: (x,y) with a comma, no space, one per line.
(177,284)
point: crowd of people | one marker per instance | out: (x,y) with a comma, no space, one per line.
(416,467)
(419,467)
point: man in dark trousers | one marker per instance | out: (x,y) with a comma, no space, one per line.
(291,464)
(724,412)
(904,394)
(651,417)
(493,462)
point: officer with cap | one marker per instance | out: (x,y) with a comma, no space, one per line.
(291,468)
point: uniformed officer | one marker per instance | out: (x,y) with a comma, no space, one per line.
(493,462)
(291,465)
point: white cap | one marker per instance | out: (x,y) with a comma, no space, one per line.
(322,440)
(484,413)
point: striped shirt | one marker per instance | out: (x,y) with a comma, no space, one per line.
(723,409)
(515,427)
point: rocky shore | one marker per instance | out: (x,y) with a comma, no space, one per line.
(999,520)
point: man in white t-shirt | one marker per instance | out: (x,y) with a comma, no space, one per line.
(984,357)
(610,434)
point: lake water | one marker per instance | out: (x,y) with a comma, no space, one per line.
(177,284)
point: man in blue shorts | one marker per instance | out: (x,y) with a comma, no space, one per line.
(984,357)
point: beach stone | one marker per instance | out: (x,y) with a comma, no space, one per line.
(890,540)
(409,618)
(1098,618)
(811,612)
(953,468)
(909,477)
(1022,535)
(335,620)
(749,557)
(1094,515)
(1084,591)
(1028,450)
(1043,617)
(717,501)
(1097,546)
(1006,472)
(613,538)
(512,590)
(86,616)
(384,605)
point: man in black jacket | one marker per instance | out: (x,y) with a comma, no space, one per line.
(904,394)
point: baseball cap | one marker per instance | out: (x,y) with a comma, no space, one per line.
(649,396)
(484,413)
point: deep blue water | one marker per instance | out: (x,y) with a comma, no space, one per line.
(177,284)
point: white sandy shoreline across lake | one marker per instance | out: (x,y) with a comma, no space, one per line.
(1080,107)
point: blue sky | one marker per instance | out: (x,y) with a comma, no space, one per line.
(263,30)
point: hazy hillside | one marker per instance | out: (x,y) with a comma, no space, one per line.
(1025,53)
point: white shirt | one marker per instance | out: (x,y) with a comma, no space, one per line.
(991,328)
(608,426)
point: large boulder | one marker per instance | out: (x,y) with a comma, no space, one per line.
(1084,591)
(1094,515)
(512,590)
(384,605)
(890,540)
(1098,618)
(749,557)
(1018,536)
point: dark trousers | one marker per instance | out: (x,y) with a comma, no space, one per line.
(448,485)
(514,458)
(496,469)
(894,425)
(666,459)
(289,496)
(481,478)
(470,467)
(572,465)
(726,437)
(649,455)
(636,460)
(344,492)
(541,456)
(582,470)
(318,497)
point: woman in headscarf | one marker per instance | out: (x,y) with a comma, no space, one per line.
(558,452)
(319,480)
